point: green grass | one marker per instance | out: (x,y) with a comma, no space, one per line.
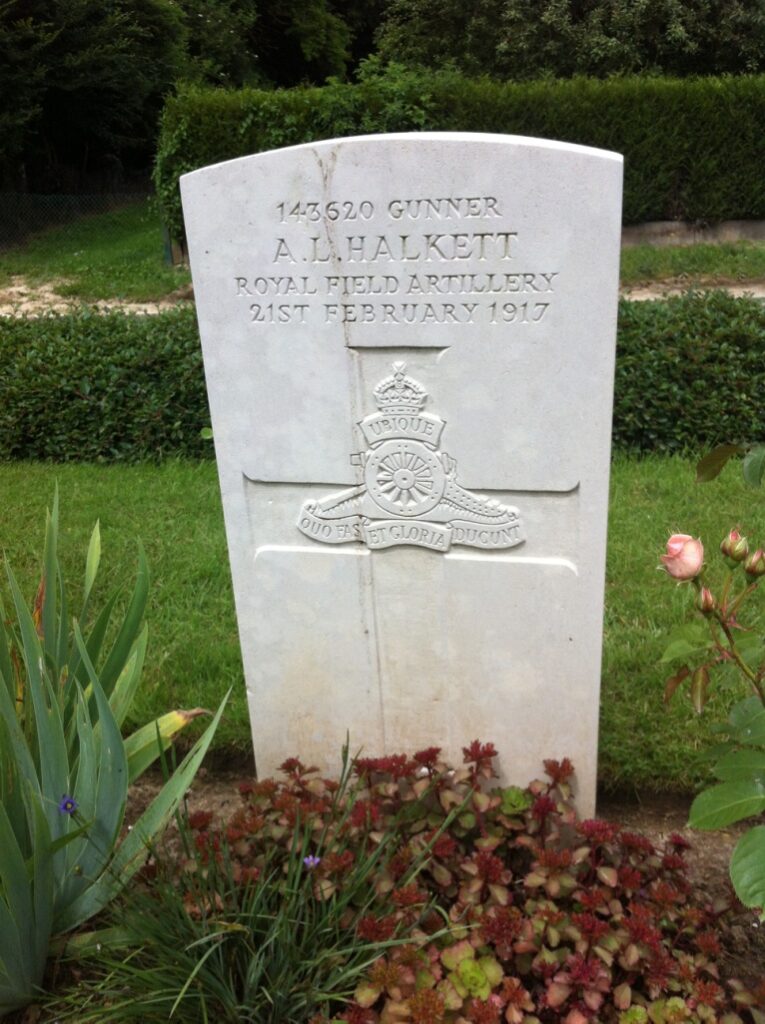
(116,255)
(193,650)
(728,263)
(120,255)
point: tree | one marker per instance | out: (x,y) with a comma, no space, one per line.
(301,41)
(524,39)
(22,82)
(221,41)
(91,76)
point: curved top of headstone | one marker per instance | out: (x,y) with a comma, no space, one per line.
(454,138)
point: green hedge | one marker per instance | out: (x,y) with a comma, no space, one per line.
(116,387)
(690,372)
(694,148)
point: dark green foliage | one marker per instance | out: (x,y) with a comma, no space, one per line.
(694,149)
(80,82)
(88,387)
(525,39)
(241,42)
(220,41)
(690,373)
(301,41)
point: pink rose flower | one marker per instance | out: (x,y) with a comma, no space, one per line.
(684,557)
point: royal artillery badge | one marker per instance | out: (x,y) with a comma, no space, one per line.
(410,493)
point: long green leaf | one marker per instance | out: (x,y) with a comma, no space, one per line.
(130,628)
(727,803)
(69,868)
(6,667)
(92,562)
(26,901)
(94,640)
(42,879)
(15,980)
(143,748)
(17,744)
(62,638)
(15,885)
(134,849)
(121,698)
(747,869)
(50,580)
(53,756)
(110,796)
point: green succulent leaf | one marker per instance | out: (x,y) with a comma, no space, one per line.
(515,800)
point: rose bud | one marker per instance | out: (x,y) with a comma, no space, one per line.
(735,547)
(755,564)
(706,602)
(684,557)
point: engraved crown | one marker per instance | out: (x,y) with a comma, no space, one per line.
(399,393)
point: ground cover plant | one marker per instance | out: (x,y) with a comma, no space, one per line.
(417,893)
(193,653)
(115,255)
(65,689)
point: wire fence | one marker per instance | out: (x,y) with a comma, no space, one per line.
(22,213)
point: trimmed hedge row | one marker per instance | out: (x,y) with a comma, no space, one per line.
(87,387)
(694,148)
(690,372)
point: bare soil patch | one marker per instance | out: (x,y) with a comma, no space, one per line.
(679,286)
(22,298)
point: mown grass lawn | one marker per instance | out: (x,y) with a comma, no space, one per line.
(120,255)
(194,653)
(694,265)
(116,255)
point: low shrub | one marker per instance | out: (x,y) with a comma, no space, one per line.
(690,372)
(83,387)
(693,148)
(486,904)
(92,387)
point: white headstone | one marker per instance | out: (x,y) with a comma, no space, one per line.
(409,347)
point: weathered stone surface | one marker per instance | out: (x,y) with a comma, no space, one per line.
(409,347)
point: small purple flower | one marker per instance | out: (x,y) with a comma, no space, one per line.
(67,804)
(311,861)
